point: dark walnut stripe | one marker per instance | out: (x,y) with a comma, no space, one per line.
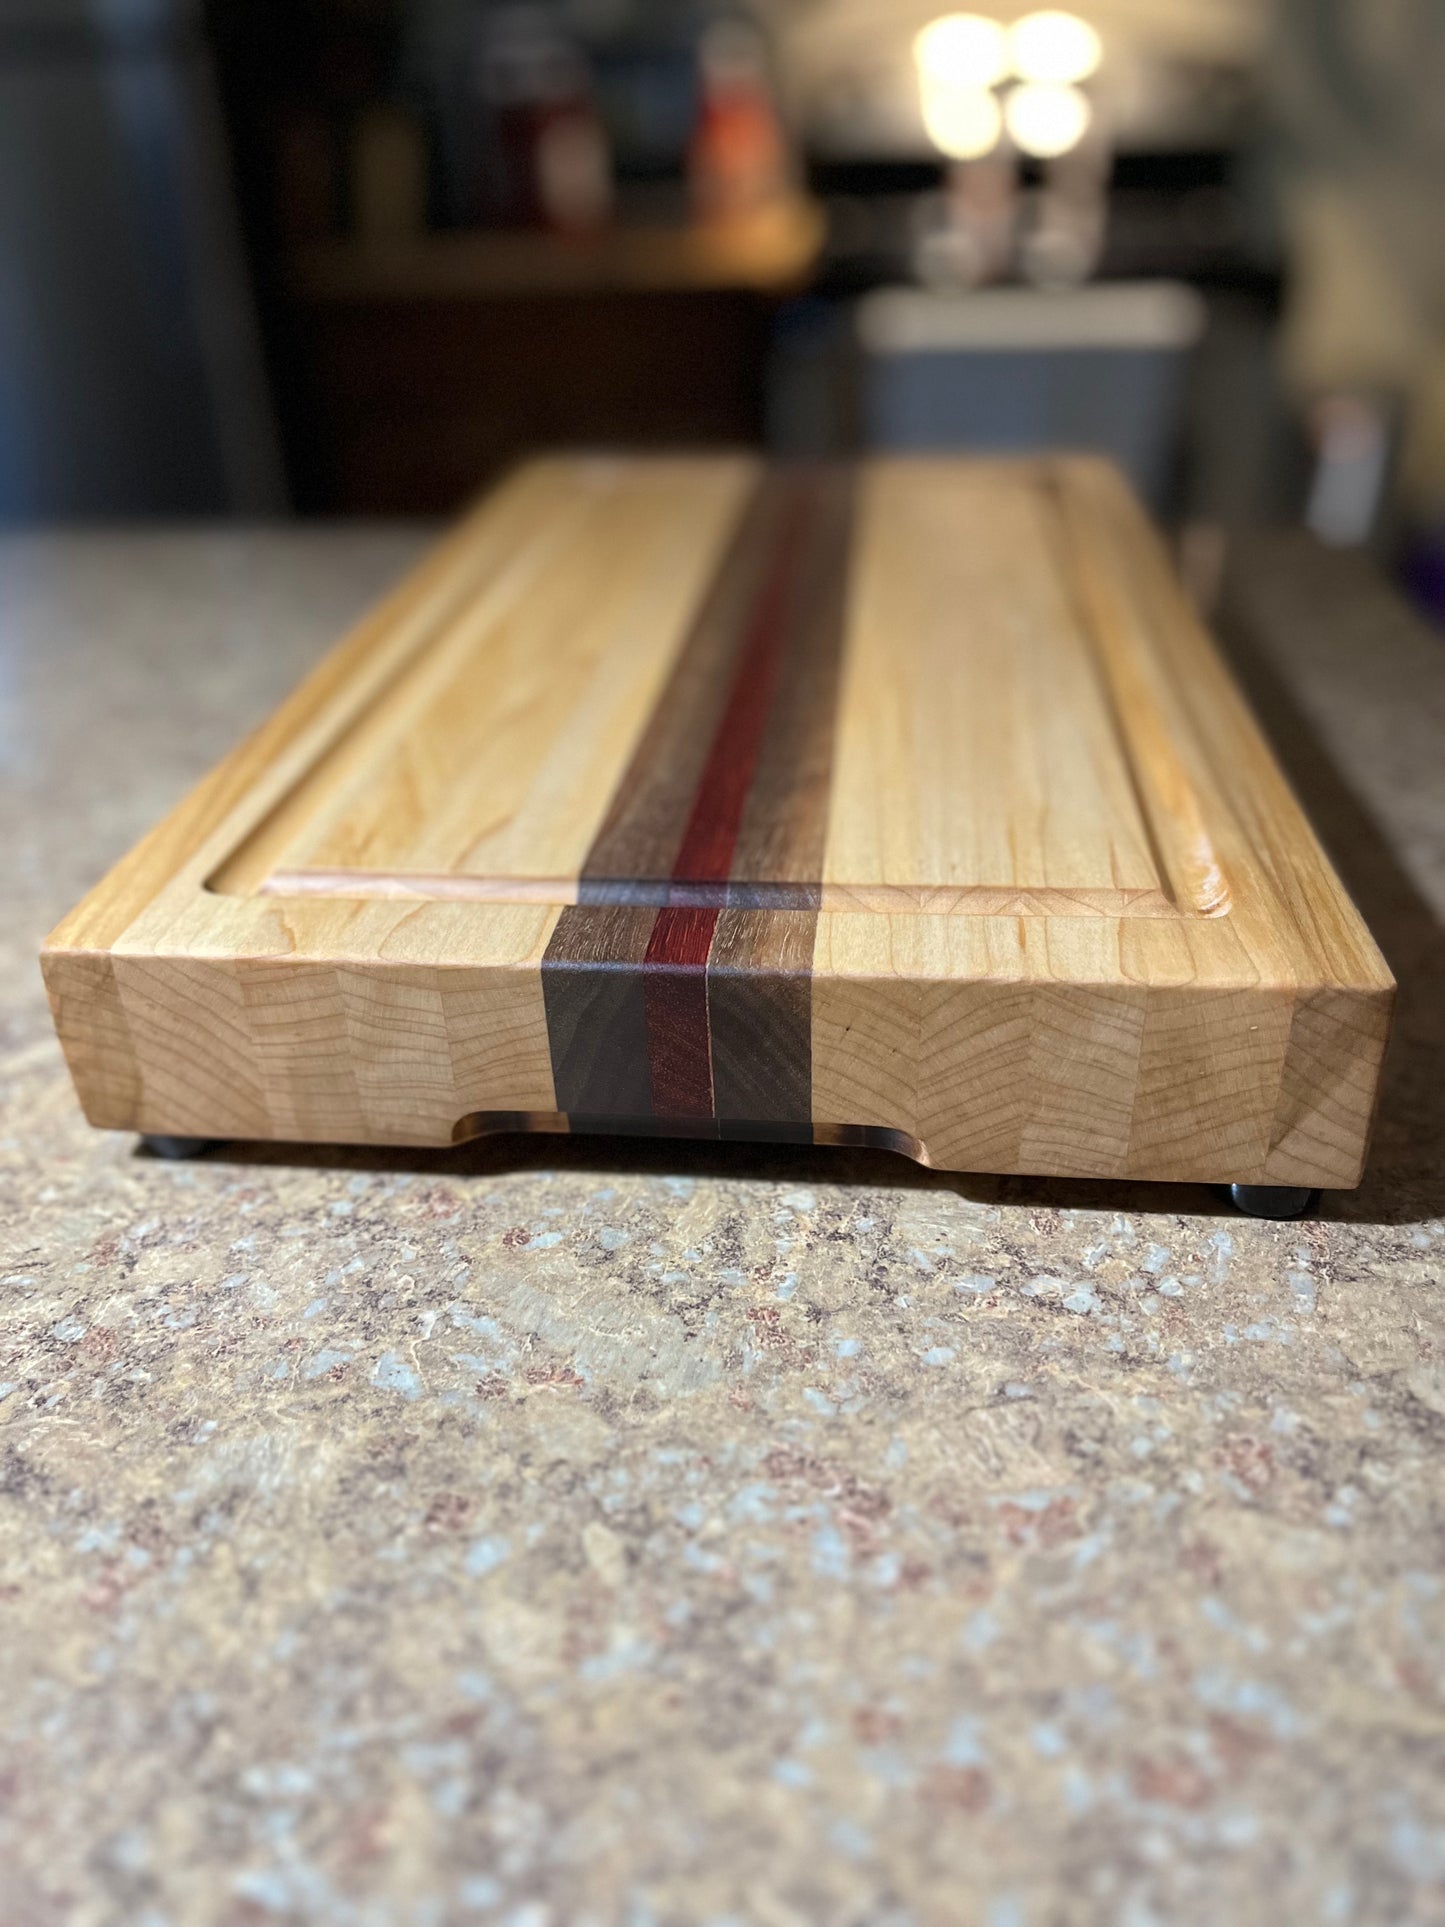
(760,1015)
(779,855)
(678,988)
(596,1017)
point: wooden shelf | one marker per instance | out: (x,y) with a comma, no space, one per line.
(772,252)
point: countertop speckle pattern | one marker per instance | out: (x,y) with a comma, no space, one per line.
(576,1534)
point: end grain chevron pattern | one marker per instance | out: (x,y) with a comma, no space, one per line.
(903,803)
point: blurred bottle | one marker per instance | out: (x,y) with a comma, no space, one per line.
(307,165)
(548,161)
(738,161)
(1063,239)
(389,168)
(967,235)
(1353,441)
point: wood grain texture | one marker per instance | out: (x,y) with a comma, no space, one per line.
(905,804)
(723,806)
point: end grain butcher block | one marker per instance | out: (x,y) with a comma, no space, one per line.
(904,803)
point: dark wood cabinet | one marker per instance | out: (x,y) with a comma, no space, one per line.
(420,372)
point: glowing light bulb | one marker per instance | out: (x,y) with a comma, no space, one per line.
(962,50)
(963,122)
(1054,48)
(1047,121)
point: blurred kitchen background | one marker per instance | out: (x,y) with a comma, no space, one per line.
(336,257)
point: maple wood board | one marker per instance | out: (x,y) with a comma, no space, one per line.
(904,802)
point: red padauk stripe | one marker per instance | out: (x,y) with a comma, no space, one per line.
(675,968)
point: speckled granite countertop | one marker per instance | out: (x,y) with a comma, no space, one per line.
(568,1534)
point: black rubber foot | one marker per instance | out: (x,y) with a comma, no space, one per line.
(1272,1200)
(176,1147)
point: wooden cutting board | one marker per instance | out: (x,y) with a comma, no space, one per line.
(903,803)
